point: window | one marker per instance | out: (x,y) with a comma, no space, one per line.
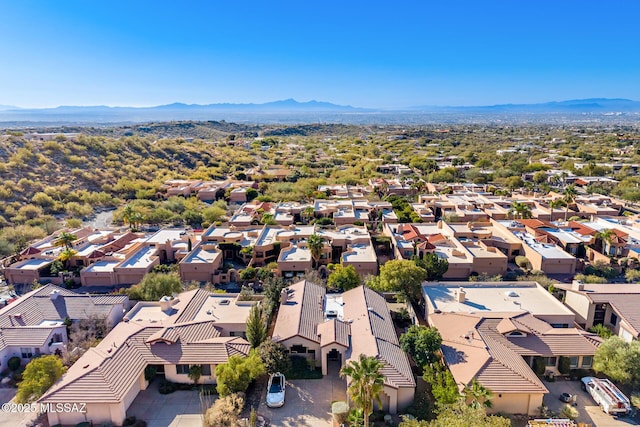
(313,352)
(573,361)
(298,349)
(551,361)
(614,319)
(182,369)
(27,353)
(206,370)
(559,325)
(516,334)
(57,337)
(587,361)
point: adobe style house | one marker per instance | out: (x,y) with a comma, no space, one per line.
(615,306)
(194,328)
(497,333)
(34,324)
(330,330)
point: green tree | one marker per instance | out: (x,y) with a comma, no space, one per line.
(65,239)
(619,360)
(570,193)
(236,375)
(256,329)
(422,343)
(435,266)
(195,372)
(307,214)
(268,219)
(40,374)
(602,331)
(316,246)
(477,396)
(443,386)
(604,240)
(274,356)
(460,415)
(400,276)
(154,286)
(344,278)
(365,383)
(520,210)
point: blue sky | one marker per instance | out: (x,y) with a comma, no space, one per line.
(362,53)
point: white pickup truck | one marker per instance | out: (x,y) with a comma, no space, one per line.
(607,395)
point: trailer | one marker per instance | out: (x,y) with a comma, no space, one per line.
(610,399)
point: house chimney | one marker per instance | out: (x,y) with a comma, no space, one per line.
(461,296)
(165,303)
(284,296)
(54,295)
(577,285)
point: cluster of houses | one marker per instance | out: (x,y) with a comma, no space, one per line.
(499,333)
(477,233)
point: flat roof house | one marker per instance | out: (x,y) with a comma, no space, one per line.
(497,332)
(194,328)
(334,329)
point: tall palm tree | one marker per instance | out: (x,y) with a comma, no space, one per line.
(307,213)
(365,383)
(127,213)
(520,210)
(605,237)
(65,239)
(570,194)
(554,204)
(315,245)
(478,396)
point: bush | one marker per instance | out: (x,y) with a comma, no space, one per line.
(539,366)
(523,262)
(14,363)
(225,411)
(564,365)
(129,421)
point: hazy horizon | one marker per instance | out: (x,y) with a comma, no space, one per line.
(368,55)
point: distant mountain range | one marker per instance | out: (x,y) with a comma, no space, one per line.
(290,110)
(575,105)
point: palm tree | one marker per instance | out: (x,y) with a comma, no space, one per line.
(478,396)
(315,245)
(570,194)
(605,237)
(520,210)
(127,214)
(365,383)
(65,239)
(554,204)
(307,213)
(268,219)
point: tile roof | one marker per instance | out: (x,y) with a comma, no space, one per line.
(475,346)
(334,331)
(302,312)
(36,306)
(106,373)
(626,305)
(373,334)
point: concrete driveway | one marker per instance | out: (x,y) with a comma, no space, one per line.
(178,409)
(589,411)
(307,403)
(15,419)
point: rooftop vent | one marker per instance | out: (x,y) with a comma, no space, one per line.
(512,294)
(332,313)
(224,302)
(54,295)
(461,296)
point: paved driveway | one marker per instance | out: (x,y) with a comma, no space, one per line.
(14,419)
(307,403)
(589,411)
(178,409)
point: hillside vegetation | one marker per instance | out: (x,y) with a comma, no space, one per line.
(47,183)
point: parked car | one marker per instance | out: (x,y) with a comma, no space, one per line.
(566,397)
(276,390)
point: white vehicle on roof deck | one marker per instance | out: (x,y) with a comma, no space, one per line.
(607,395)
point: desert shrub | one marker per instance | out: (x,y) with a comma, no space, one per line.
(225,411)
